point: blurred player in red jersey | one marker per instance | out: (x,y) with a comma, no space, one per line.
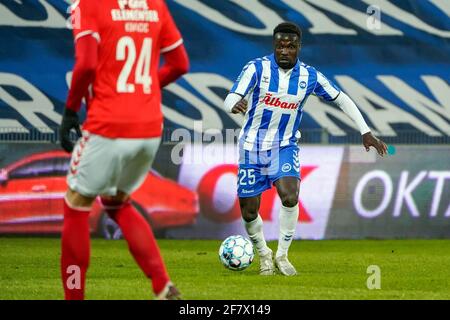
(117,49)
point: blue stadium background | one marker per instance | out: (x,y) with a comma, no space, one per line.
(37,47)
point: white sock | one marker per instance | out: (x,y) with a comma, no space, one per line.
(255,232)
(288,223)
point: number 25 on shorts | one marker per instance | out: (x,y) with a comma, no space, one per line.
(247,177)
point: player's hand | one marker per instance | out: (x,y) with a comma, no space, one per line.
(69,121)
(240,107)
(369,140)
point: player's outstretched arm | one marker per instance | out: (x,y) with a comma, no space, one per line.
(235,103)
(83,74)
(350,108)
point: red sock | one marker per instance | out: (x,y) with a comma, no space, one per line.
(75,245)
(141,242)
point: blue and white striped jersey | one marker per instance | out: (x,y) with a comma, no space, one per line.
(275,101)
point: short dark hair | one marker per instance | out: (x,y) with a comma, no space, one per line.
(288,27)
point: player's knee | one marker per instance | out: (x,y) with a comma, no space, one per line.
(76,199)
(289,200)
(113,204)
(249,213)
(120,198)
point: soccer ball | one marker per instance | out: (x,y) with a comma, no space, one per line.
(236,253)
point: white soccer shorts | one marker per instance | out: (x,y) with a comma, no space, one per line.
(103,166)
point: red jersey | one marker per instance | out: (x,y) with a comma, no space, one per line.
(131,34)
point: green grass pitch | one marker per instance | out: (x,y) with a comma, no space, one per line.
(332,269)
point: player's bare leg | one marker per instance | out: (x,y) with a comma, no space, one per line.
(288,189)
(75,244)
(254,226)
(141,243)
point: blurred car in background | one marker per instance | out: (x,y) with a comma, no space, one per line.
(32,192)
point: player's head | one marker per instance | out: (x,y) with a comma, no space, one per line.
(287,38)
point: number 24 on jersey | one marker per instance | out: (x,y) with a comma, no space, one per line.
(126,50)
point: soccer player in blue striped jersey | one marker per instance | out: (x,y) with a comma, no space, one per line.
(271,92)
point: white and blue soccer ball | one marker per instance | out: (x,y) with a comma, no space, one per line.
(236,253)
